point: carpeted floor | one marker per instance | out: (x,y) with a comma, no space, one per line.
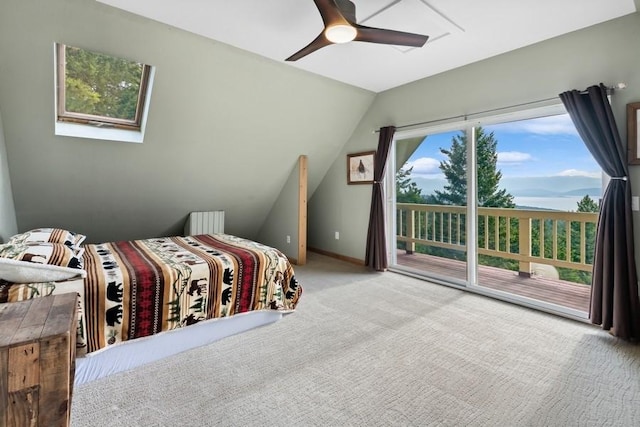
(382,349)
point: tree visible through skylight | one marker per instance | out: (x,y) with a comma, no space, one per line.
(100,89)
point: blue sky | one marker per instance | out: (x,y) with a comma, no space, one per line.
(548,146)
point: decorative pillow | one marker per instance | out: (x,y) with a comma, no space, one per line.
(39,262)
(49,235)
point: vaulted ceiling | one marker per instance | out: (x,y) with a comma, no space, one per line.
(460,31)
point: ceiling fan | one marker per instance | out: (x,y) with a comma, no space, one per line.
(339,17)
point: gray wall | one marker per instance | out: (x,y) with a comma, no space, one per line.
(286,206)
(604,53)
(225,127)
(8,225)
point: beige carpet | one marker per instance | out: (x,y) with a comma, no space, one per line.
(382,349)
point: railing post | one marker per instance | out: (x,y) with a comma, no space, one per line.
(524,245)
(411,231)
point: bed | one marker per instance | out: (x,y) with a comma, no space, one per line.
(142,300)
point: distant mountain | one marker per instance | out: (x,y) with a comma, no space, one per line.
(591,192)
(551,186)
(539,192)
(534,192)
(537,208)
(428,185)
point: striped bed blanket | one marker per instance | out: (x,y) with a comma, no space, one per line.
(138,288)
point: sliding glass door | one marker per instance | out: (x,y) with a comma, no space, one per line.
(504,206)
(542,221)
(431,205)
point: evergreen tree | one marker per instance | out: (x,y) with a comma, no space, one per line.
(489,194)
(407,191)
(101,85)
(587,204)
(455,171)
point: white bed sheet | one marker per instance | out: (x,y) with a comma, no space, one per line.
(134,353)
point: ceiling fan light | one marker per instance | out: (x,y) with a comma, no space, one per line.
(340,33)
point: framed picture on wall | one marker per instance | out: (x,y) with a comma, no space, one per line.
(633,137)
(360,167)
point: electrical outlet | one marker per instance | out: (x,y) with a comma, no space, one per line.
(337,235)
(288,239)
(635,203)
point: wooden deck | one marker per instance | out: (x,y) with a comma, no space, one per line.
(560,292)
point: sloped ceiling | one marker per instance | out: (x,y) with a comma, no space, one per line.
(224,131)
(461,31)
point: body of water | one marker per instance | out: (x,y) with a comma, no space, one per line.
(567,203)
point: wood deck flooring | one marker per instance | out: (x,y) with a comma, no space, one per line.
(560,292)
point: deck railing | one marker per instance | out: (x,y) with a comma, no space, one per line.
(560,239)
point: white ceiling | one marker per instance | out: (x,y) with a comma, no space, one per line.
(461,31)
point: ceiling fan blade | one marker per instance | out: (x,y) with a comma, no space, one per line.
(331,13)
(343,13)
(383,36)
(318,43)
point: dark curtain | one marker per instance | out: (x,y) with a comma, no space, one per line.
(614,287)
(376,256)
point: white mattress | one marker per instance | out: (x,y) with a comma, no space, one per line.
(134,353)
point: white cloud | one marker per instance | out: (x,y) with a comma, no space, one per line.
(542,126)
(513,157)
(424,166)
(576,172)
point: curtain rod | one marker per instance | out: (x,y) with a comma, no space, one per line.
(610,90)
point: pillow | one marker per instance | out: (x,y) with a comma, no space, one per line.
(39,262)
(49,235)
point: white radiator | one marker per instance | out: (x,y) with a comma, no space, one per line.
(204,223)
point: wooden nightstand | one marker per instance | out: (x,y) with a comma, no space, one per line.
(37,360)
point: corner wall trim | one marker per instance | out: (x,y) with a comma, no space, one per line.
(302,210)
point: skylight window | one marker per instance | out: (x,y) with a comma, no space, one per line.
(100,96)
